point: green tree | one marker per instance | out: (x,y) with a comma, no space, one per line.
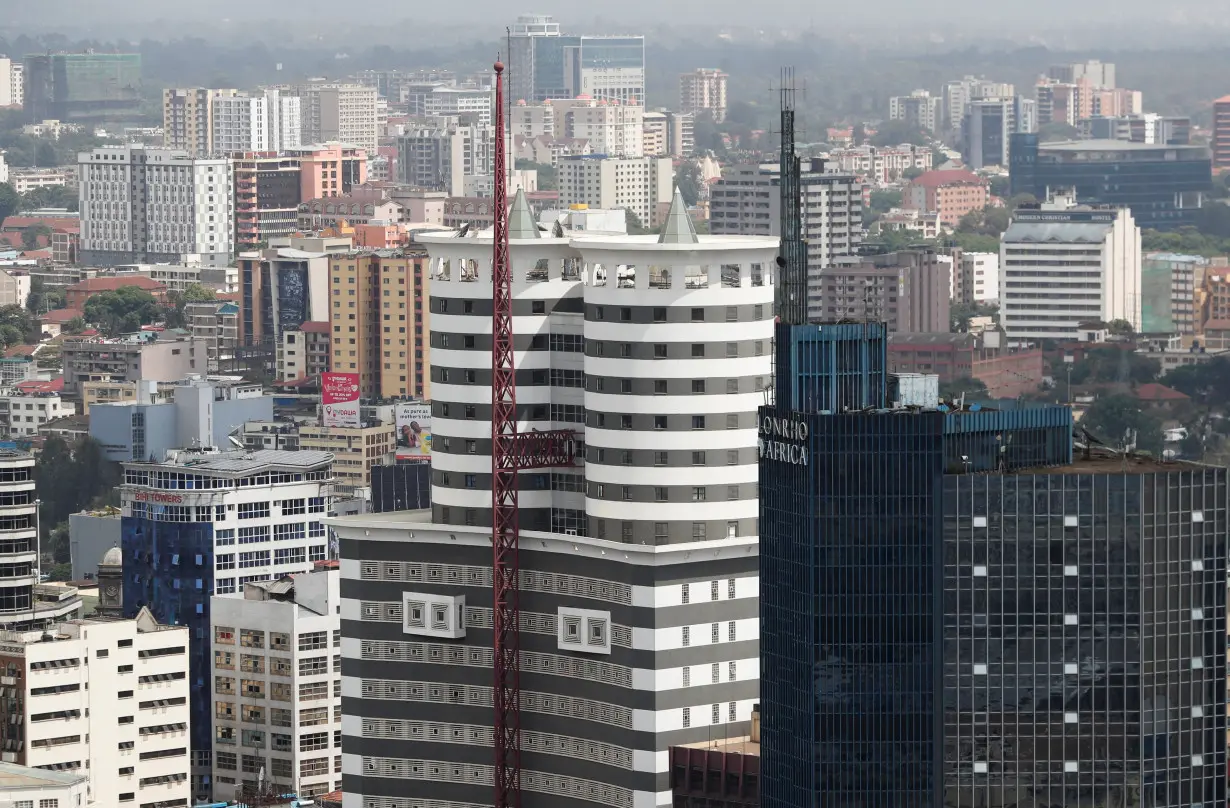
(547,176)
(50,196)
(42,298)
(999,187)
(17,326)
(1206,383)
(884,201)
(1115,365)
(1110,418)
(1048,132)
(959,314)
(73,326)
(31,234)
(122,310)
(173,311)
(10,201)
(633,223)
(687,178)
(911,173)
(893,133)
(989,221)
(70,478)
(1120,328)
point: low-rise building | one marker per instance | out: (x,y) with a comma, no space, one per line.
(1006,373)
(908,289)
(103,391)
(28,786)
(975,278)
(951,194)
(201,413)
(75,296)
(215,323)
(27,406)
(1168,284)
(356,450)
(103,699)
(278,649)
(635,183)
(881,164)
(146,355)
(25,180)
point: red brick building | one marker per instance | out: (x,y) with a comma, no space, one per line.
(951,194)
(76,295)
(1007,374)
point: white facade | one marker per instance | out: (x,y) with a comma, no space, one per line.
(958,94)
(639,184)
(445,101)
(345,113)
(532,120)
(881,164)
(266,507)
(1063,266)
(4,169)
(25,180)
(277,648)
(107,699)
(28,411)
(10,82)
(270,121)
(141,205)
(704,90)
(976,280)
(613,129)
(917,108)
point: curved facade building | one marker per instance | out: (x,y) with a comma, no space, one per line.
(18,537)
(639,565)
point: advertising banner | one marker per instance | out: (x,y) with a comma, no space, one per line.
(413,430)
(339,397)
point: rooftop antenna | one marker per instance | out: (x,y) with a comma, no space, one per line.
(792,259)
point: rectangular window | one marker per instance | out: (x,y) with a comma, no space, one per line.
(730,630)
(698,422)
(253,510)
(686,636)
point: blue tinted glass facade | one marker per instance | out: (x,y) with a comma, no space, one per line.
(169,567)
(833,367)
(1162,192)
(954,612)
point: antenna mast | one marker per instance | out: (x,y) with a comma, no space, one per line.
(511,451)
(792,260)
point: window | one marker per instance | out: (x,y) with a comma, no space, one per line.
(715,673)
(659,422)
(714,633)
(659,350)
(698,385)
(253,510)
(713,590)
(698,494)
(313,640)
(732,673)
(660,494)
(698,349)
(730,631)
(698,315)
(732,711)
(687,716)
(659,387)
(698,531)
(698,422)
(716,714)
(730,589)
(687,676)
(686,636)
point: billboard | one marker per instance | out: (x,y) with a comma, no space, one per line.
(413,420)
(339,398)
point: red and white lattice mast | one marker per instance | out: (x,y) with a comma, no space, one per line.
(511,451)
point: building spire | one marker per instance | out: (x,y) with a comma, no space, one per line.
(678,229)
(521,222)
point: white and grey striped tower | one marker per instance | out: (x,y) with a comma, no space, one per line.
(639,568)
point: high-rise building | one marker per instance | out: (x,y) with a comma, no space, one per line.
(545,64)
(1063,265)
(473,102)
(639,626)
(989,124)
(441,157)
(329,169)
(918,109)
(380,325)
(704,90)
(21,607)
(103,698)
(638,184)
(145,205)
(280,289)
(1168,284)
(268,122)
(527,32)
(746,201)
(951,194)
(1164,185)
(305,353)
(188,119)
(613,129)
(1220,142)
(1064,102)
(1100,75)
(357,451)
(85,88)
(267,196)
(958,94)
(1149,127)
(345,113)
(986,618)
(277,661)
(10,82)
(908,290)
(975,278)
(207,523)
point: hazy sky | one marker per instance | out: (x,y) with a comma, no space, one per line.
(490,16)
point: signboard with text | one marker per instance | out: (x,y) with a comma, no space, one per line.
(413,430)
(339,399)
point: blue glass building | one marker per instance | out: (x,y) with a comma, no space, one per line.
(1163,185)
(955,611)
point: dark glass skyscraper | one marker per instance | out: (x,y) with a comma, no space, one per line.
(955,611)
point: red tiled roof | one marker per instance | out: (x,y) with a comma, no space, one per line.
(20,350)
(111,284)
(315,327)
(60,316)
(56,385)
(1159,392)
(65,224)
(42,253)
(934,179)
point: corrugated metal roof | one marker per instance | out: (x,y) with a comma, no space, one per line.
(252,461)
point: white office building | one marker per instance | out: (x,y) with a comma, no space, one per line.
(639,184)
(747,201)
(442,157)
(277,650)
(144,205)
(1065,265)
(473,102)
(613,129)
(23,411)
(27,786)
(10,82)
(918,109)
(638,565)
(958,94)
(102,699)
(269,121)
(704,90)
(344,113)
(975,278)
